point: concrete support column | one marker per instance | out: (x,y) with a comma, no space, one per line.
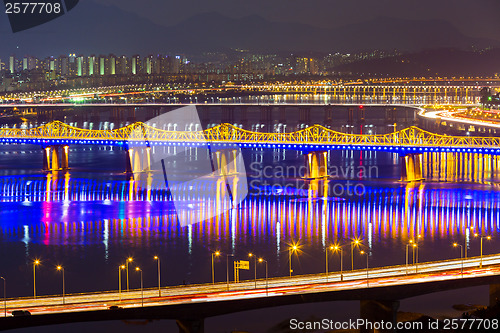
(65,158)
(494,294)
(46,158)
(266,117)
(305,115)
(376,311)
(146,163)
(136,161)
(316,164)
(226,162)
(128,163)
(234,156)
(55,158)
(227,114)
(411,167)
(328,121)
(191,325)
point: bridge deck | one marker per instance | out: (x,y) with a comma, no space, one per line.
(314,137)
(277,287)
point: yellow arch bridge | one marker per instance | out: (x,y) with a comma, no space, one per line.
(410,143)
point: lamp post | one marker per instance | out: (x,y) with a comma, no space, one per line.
(35,263)
(61,269)
(267,287)
(255,267)
(216,253)
(409,244)
(159,276)
(416,243)
(4,295)
(227,269)
(482,237)
(292,248)
(129,260)
(366,253)
(331,247)
(142,289)
(415,246)
(461,257)
(120,280)
(355,242)
(341,252)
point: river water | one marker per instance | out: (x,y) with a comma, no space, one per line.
(91,218)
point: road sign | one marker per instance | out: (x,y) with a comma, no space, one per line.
(244,264)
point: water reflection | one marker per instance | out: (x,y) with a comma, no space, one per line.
(119,209)
(96,219)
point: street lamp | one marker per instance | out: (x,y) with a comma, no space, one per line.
(35,263)
(120,280)
(413,250)
(4,296)
(461,256)
(265,261)
(227,269)
(331,248)
(61,269)
(341,252)
(129,260)
(292,248)
(354,242)
(481,236)
(366,253)
(142,289)
(159,277)
(415,246)
(255,267)
(216,253)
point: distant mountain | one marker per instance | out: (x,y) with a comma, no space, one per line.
(98,29)
(437,62)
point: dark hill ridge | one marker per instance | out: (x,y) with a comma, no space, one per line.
(439,62)
(94,28)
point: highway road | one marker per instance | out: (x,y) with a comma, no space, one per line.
(317,283)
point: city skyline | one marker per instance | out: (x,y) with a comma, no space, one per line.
(290,163)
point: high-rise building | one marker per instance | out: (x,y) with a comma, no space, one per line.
(12,64)
(122,66)
(52,64)
(63,66)
(102,65)
(82,67)
(92,65)
(29,63)
(111,62)
(148,64)
(136,65)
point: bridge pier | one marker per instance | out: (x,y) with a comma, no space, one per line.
(375,311)
(226,162)
(138,159)
(411,167)
(494,294)
(316,165)
(191,325)
(51,159)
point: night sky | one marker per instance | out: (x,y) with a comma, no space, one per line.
(196,26)
(475,18)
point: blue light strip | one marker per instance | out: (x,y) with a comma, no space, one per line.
(302,147)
